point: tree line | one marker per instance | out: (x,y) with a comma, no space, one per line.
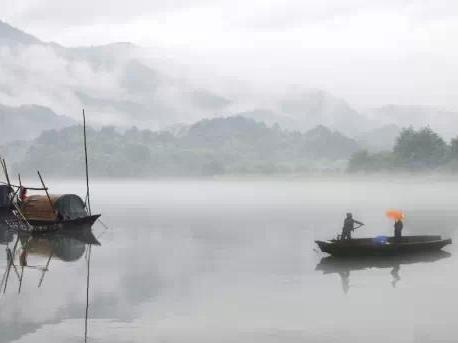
(415,150)
(219,146)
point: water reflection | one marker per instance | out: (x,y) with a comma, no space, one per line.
(26,252)
(343,266)
(6,235)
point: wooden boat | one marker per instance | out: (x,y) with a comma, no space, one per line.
(41,213)
(52,212)
(382,246)
(85,220)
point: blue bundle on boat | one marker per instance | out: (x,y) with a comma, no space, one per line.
(381,240)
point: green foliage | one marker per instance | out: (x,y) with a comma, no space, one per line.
(415,150)
(365,162)
(233,145)
(422,149)
(454,149)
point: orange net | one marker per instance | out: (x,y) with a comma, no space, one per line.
(395,214)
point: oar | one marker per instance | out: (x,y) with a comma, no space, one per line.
(358,227)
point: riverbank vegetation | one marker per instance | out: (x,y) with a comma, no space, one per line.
(421,150)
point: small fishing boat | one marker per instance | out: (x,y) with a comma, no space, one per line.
(383,246)
(42,213)
(42,210)
(38,213)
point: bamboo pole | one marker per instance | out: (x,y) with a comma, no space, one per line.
(14,266)
(29,188)
(3,278)
(22,216)
(87,293)
(11,262)
(8,270)
(47,194)
(5,171)
(20,280)
(86,163)
(45,269)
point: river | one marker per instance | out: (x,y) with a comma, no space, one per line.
(235,261)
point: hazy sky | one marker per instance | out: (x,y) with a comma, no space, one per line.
(369,52)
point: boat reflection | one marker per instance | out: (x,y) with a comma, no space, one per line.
(343,266)
(25,251)
(36,251)
(6,234)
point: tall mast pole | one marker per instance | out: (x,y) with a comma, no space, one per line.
(88,201)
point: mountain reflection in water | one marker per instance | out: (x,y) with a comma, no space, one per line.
(343,266)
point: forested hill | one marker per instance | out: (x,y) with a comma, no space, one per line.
(233,145)
(421,150)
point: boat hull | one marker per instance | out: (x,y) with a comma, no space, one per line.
(76,221)
(392,246)
(70,224)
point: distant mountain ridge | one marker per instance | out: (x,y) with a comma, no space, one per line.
(28,122)
(120,86)
(220,146)
(439,119)
(10,35)
(379,139)
(113,81)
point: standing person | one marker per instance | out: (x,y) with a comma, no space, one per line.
(398,226)
(349,226)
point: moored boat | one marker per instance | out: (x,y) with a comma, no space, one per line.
(42,213)
(56,210)
(383,246)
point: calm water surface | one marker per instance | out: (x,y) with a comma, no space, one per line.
(230,261)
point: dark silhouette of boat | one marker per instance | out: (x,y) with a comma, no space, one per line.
(383,246)
(40,210)
(42,213)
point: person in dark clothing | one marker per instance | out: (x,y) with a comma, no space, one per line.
(398,226)
(349,226)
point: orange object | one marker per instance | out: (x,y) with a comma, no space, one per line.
(395,214)
(22,193)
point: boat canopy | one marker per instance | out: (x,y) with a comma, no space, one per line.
(5,190)
(61,207)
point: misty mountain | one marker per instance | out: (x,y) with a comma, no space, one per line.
(232,145)
(443,121)
(305,109)
(316,107)
(13,37)
(116,83)
(29,121)
(121,84)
